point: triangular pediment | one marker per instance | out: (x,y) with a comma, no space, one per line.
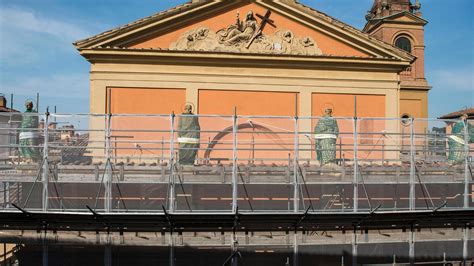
(402,17)
(406,17)
(239,26)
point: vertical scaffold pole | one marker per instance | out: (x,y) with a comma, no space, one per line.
(108,166)
(466,164)
(108,255)
(295,168)
(45,169)
(45,248)
(172,163)
(411,243)
(234,162)
(354,247)
(465,243)
(295,249)
(172,244)
(356,169)
(412,165)
(234,261)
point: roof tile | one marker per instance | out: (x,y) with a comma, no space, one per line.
(457,114)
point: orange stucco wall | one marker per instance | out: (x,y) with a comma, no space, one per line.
(411,107)
(414,108)
(151,142)
(414,103)
(247,102)
(367,106)
(146,101)
(343,104)
(327,44)
(252,144)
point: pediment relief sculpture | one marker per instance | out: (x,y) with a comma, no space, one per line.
(239,33)
(246,37)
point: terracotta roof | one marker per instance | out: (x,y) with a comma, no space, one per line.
(7,110)
(190,5)
(457,114)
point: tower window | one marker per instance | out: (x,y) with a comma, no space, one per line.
(403,43)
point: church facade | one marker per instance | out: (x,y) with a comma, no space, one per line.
(261,57)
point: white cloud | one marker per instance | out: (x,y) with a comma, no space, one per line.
(461,79)
(64,86)
(12,18)
(38,52)
(29,38)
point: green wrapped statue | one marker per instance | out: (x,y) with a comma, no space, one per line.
(457,141)
(29,135)
(326,134)
(188,136)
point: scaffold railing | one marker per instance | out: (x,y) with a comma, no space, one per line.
(226,164)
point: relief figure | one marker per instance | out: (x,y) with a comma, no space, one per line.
(239,33)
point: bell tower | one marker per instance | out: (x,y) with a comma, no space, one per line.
(400,23)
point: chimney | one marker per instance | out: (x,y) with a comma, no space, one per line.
(3,101)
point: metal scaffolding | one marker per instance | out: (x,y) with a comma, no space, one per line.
(128,165)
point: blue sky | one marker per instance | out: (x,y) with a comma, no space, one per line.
(37,55)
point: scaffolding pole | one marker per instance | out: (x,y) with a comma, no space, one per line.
(295,249)
(108,250)
(234,261)
(354,247)
(465,243)
(108,255)
(45,165)
(411,244)
(412,166)
(466,164)
(172,162)
(295,168)
(234,162)
(356,169)
(45,248)
(108,166)
(171,247)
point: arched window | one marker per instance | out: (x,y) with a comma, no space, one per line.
(403,43)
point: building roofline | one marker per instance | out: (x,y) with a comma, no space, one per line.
(191,6)
(373,23)
(8,110)
(469,111)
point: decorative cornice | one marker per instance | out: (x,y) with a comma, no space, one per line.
(373,24)
(229,59)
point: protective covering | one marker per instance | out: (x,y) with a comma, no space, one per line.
(326,134)
(188,137)
(29,137)
(457,142)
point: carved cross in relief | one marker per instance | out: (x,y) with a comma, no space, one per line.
(265,20)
